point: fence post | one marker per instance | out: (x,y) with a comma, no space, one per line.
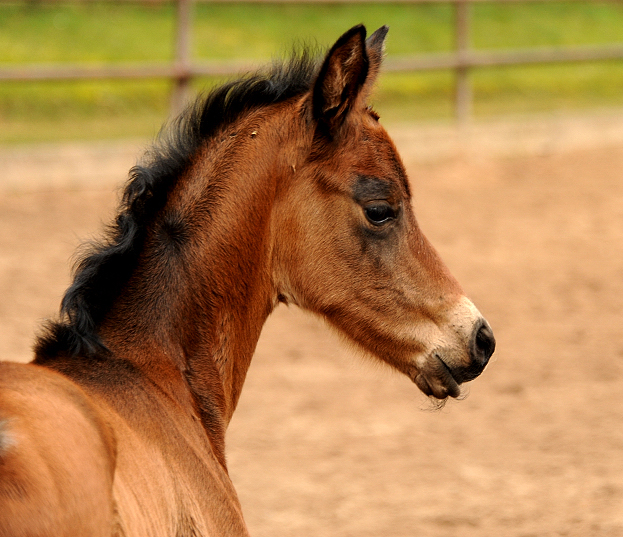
(181,88)
(463,90)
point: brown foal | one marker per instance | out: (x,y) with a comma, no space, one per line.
(278,187)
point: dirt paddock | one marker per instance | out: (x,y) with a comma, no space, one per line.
(326,444)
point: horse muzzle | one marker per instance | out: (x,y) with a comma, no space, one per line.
(441,372)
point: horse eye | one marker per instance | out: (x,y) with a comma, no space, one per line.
(379,212)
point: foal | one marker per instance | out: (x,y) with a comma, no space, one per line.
(279,187)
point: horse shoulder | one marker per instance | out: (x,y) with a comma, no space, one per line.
(168,480)
(57,456)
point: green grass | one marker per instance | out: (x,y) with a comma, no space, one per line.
(547,24)
(97,33)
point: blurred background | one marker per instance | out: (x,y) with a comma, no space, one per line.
(118,41)
(509,118)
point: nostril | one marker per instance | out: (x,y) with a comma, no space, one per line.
(484,344)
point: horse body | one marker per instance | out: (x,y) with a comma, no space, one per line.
(96,462)
(282,188)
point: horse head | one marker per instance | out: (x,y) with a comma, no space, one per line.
(348,246)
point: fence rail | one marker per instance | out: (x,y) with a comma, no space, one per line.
(183,69)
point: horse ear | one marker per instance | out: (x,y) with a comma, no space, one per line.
(341,78)
(375,46)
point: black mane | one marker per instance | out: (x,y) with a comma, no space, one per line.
(106,267)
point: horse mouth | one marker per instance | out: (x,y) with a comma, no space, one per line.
(436,379)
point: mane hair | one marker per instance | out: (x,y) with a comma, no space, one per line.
(106,265)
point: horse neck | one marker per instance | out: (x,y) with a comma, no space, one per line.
(198,300)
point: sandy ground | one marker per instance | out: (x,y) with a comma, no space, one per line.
(327,444)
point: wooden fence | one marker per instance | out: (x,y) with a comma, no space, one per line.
(183,69)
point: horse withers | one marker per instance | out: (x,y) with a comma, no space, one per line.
(278,187)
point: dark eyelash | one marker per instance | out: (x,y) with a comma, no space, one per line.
(374,115)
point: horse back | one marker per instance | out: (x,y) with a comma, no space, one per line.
(57,457)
